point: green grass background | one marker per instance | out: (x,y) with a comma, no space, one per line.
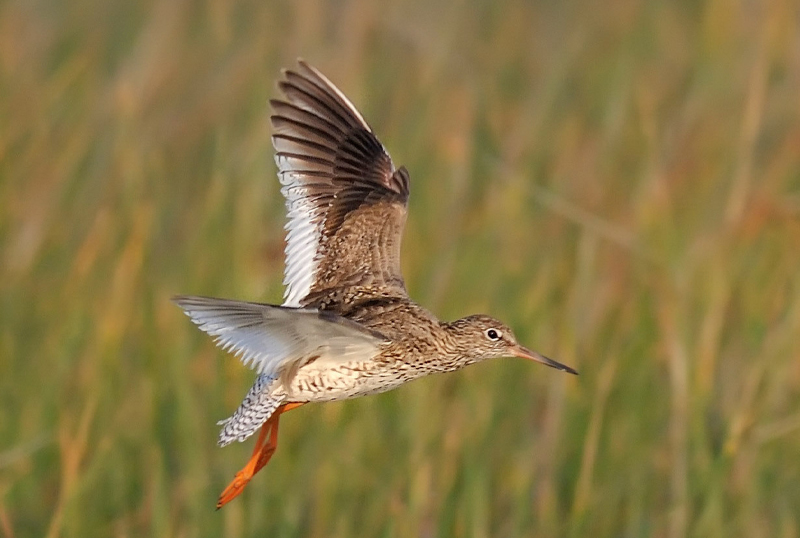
(620,181)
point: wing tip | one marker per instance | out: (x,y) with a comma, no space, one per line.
(186,302)
(314,76)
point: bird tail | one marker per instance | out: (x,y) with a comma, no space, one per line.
(256,408)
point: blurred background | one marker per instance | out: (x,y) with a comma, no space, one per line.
(620,182)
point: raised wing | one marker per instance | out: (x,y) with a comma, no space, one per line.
(346,202)
(278,340)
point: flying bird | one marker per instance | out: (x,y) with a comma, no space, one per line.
(347,327)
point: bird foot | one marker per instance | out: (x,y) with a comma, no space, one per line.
(234,488)
(260,458)
(265,447)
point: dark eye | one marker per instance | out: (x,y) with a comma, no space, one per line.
(493,334)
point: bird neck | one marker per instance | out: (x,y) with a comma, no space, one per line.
(458,353)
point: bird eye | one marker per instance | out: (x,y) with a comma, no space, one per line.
(493,334)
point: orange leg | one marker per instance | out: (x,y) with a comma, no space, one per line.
(265,447)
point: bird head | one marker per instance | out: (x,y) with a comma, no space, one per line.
(481,337)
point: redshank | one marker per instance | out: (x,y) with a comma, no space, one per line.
(347,327)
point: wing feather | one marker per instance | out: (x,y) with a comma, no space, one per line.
(335,175)
(271,339)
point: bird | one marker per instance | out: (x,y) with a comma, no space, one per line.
(347,326)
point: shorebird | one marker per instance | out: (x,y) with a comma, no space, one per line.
(347,327)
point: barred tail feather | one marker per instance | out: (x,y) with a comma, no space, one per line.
(256,408)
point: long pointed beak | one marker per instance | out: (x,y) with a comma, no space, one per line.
(526,353)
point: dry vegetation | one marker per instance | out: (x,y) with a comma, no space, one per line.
(619,180)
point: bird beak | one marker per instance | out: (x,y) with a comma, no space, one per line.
(526,353)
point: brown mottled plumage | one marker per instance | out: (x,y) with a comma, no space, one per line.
(347,327)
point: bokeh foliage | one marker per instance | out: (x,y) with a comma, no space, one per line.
(620,181)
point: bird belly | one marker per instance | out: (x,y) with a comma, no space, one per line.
(345,381)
